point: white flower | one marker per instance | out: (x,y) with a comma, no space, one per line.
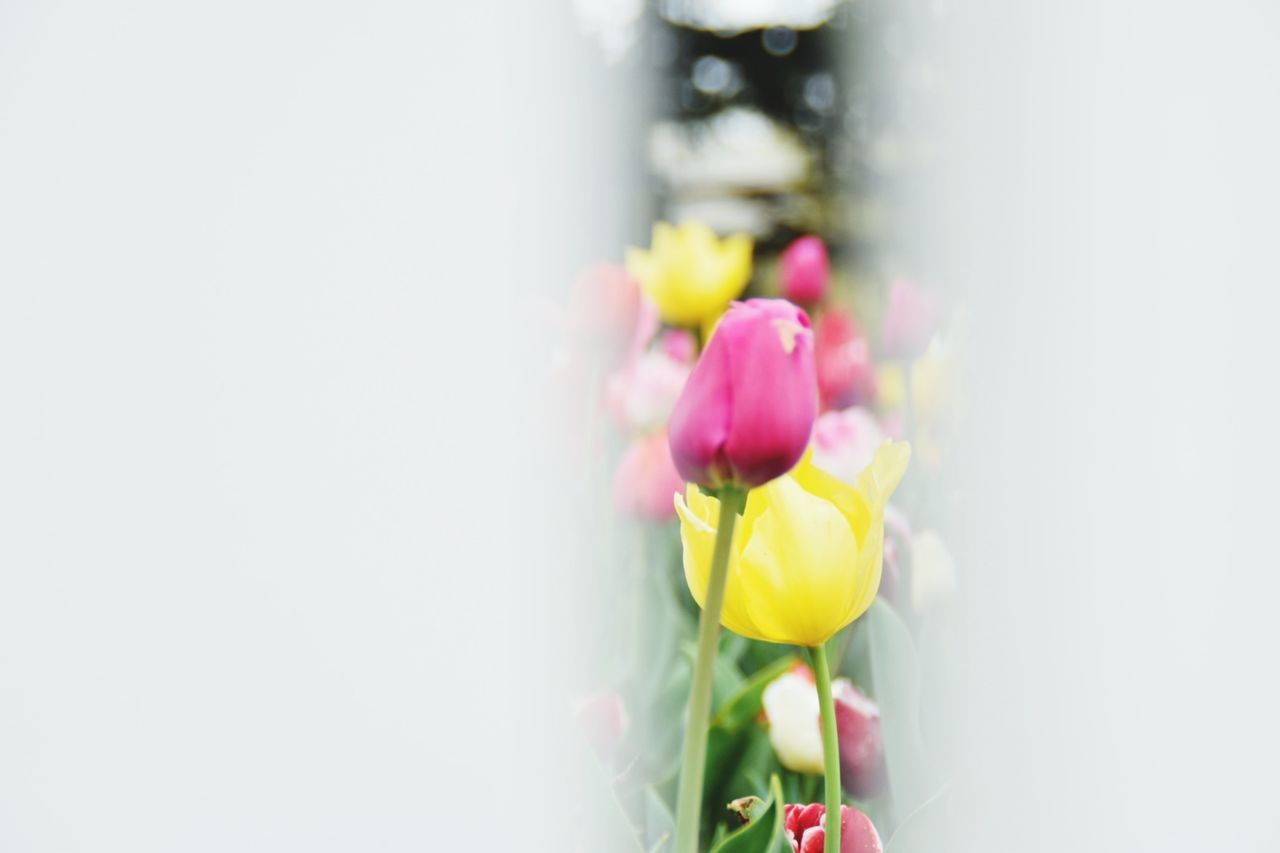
(795,730)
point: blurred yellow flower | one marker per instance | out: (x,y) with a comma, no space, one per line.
(689,273)
(806,553)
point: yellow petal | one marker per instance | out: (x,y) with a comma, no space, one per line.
(799,568)
(698,538)
(879,479)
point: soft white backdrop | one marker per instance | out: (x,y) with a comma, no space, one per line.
(268,517)
(1108,209)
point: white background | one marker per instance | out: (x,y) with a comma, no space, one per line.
(267,511)
(1110,213)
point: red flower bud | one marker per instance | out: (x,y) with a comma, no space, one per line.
(806,829)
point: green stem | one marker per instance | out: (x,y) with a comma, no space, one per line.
(830,746)
(694,764)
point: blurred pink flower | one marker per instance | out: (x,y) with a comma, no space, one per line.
(806,829)
(642,393)
(910,319)
(602,717)
(646,481)
(846,373)
(845,441)
(862,768)
(805,270)
(747,411)
(604,307)
(680,344)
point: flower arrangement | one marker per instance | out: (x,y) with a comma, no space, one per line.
(774,593)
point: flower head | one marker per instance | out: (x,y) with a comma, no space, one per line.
(806,555)
(747,411)
(846,373)
(805,270)
(806,829)
(689,273)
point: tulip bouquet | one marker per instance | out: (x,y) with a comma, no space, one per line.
(758,444)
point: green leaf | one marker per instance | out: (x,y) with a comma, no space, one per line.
(764,834)
(744,705)
(895,685)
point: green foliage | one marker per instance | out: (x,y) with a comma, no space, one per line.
(764,834)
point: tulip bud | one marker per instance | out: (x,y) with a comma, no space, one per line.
(910,319)
(646,481)
(805,269)
(805,826)
(846,373)
(844,442)
(747,411)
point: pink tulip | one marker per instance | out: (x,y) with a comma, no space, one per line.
(747,411)
(862,768)
(806,829)
(846,374)
(646,481)
(805,269)
(910,319)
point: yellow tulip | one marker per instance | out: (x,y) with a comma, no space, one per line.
(689,273)
(806,554)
